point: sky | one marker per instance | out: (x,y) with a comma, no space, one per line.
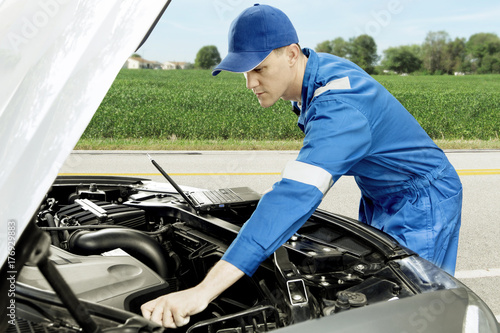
(188,25)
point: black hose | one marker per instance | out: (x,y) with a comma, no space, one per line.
(81,227)
(135,243)
(104,226)
(54,235)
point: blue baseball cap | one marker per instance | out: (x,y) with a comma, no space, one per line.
(253,35)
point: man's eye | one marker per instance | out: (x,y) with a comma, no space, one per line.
(258,70)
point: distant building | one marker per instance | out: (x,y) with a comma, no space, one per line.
(140,63)
(174,65)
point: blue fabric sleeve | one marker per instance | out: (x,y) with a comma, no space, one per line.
(337,136)
(279,214)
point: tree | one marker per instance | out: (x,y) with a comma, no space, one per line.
(207,57)
(434,49)
(481,47)
(402,59)
(454,56)
(325,47)
(490,64)
(363,52)
(439,54)
(338,47)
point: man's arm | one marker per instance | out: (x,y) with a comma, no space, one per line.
(174,310)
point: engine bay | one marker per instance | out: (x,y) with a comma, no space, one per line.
(122,241)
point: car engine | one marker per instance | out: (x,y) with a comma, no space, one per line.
(122,241)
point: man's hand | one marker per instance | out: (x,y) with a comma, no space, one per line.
(175,309)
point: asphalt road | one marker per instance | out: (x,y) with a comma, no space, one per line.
(478,264)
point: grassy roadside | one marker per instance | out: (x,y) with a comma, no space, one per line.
(163,144)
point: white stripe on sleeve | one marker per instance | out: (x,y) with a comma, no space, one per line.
(308,174)
(342,83)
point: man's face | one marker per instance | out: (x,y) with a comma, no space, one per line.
(270,80)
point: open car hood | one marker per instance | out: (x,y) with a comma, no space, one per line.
(58,59)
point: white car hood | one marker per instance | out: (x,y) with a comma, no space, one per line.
(58,58)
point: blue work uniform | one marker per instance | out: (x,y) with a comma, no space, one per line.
(354,126)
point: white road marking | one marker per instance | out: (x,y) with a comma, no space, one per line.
(478,273)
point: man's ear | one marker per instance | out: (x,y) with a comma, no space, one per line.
(293,51)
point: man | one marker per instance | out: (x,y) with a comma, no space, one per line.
(353,126)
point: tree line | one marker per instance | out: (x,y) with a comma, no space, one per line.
(438,54)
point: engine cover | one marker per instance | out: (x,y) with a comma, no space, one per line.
(117,281)
(88,212)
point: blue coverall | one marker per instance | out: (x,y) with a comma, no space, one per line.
(354,126)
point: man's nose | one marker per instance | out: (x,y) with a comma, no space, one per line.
(252,81)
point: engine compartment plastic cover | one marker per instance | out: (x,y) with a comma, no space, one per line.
(106,279)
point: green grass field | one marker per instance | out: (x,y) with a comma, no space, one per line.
(192,106)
